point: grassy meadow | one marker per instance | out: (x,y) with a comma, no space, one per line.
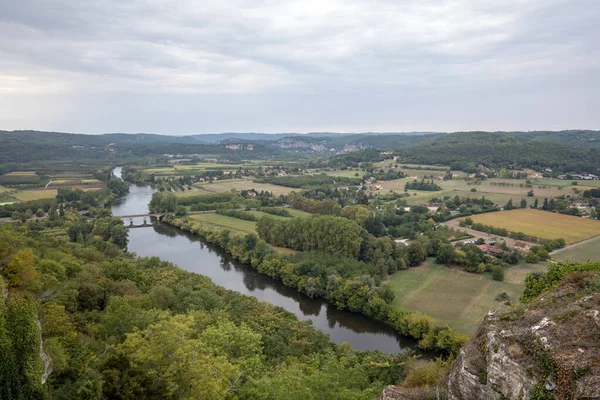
(237,184)
(455,297)
(588,250)
(542,224)
(216,221)
(500,191)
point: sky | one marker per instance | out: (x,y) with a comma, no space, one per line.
(191,66)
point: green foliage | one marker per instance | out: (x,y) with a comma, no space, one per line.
(325,207)
(119,327)
(343,281)
(497,150)
(282,212)
(331,234)
(426,374)
(26,370)
(163,202)
(238,214)
(422,185)
(537,283)
(497,273)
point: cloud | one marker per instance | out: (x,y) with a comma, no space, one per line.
(299,48)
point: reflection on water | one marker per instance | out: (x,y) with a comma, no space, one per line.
(190,253)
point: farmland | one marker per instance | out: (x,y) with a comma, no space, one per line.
(216,221)
(237,184)
(193,169)
(500,191)
(461,298)
(542,224)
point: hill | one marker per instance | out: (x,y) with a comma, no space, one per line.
(500,150)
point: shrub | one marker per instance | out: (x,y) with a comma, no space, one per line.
(426,373)
(497,273)
(532,258)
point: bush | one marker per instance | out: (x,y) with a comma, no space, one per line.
(497,273)
(532,258)
(426,373)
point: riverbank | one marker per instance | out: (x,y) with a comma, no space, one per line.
(356,295)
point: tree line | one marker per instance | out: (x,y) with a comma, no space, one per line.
(358,294)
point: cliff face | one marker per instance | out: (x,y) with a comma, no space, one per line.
(546,349)
(549,348)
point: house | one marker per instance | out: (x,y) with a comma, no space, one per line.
(402,241)
(522,246)
(491,250)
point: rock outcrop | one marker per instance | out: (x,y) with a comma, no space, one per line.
(548,348)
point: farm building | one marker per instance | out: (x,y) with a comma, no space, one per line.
(491,250)
(522,246)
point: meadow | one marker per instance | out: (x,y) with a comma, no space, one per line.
(343,174)
(542,224)
(461,299)
(585,251)
(194,169)
(500,191)
(216,221)
(237,184)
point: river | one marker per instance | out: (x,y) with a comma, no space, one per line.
(190,253)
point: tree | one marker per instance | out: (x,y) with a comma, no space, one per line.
(509,205)
(532,258)
(21,271)
(52,214)
(416,254)
(356,213)
(545,205)
(181,366)
(523,203)
(39,213)
(119,235)
(163,202)
(497,273)
(445,254)
(535,203)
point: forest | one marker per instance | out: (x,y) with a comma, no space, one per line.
(123,328)
(497,150)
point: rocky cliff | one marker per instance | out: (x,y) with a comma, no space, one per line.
(548,348)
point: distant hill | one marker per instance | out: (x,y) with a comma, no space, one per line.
(578,138)
(500,150)
(573,151)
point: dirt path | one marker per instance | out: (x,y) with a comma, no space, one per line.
(483,235)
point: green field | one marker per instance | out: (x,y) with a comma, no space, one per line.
(237,184)
(216,221)
(343,174)
(500,191)
(35,194)
(565,182)
(194,169)
(542,224)
(589,250)
(455,297)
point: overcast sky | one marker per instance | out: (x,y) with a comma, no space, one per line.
(200,66)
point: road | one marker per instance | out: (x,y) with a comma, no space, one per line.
(483,235)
